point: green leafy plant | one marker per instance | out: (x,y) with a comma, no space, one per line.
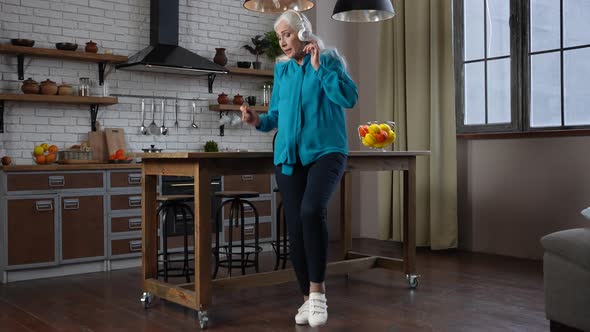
(211,146)
(260,46)
(274,48)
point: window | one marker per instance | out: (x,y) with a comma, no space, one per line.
(521,65)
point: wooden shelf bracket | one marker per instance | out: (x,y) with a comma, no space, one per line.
(101,67)
(21,66)
(93,114)
(221,128)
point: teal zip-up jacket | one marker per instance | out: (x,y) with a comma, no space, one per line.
(307,107)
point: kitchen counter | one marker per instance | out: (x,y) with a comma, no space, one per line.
(71,167)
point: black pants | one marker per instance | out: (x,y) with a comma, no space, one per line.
(305,196)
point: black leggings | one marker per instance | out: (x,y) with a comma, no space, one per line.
(305,196)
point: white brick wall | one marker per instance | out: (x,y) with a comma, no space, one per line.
(123,26)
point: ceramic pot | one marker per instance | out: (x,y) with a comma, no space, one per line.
(220,57)
(48,87)
(238,100)
(30,86)
(65,90)
(91,47)
(222,98)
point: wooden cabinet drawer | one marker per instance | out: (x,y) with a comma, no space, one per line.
(263,208)
(259,183)
(264,232)
(125,224)
(125,202)
(126,246)
(125,179)
(54,181)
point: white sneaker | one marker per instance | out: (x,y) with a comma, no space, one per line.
(302,314)
(318,309)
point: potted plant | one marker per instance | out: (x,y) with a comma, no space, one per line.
(260,46)
(274,49)
(211,146)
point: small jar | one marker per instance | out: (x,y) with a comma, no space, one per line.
(91,47)
(222,98)
(238,99)
(30,86)
(84,87)
(48,87)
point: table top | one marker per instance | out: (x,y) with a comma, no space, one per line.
(266,154)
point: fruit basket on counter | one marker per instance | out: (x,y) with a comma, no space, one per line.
(45,154)
(377,134)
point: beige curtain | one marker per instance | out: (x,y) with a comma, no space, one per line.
(416,88)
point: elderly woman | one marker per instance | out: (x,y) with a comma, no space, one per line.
(311,90)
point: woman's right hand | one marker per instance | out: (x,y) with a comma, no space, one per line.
(249,116)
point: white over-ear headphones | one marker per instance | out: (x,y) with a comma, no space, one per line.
(304,34)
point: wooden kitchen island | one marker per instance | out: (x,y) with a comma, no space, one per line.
(204,165)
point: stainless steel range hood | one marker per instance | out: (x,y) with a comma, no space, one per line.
(164,55)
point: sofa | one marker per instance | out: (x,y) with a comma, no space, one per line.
(566,276)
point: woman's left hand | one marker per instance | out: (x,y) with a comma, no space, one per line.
(314,49)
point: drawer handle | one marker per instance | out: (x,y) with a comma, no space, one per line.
(44,205)
(71,204)
(248,230)
(135,201)
(247,178)
(134,178)
(135,245)
(57,181)
(135,223)
(248,209)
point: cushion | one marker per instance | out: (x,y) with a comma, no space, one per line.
(572,245)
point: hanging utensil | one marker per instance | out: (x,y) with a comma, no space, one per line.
(153,127)
(176,114)
(163,129)
(143,129)
(194,125)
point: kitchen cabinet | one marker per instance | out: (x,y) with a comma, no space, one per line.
(52,218)
(31,231)
(82,227)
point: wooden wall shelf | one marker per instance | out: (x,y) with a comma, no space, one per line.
(250,72)
(55,53)
(101,59)
(229,107)
(55,99)
(94,103)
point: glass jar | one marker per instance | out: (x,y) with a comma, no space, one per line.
(84,87)
(266,93)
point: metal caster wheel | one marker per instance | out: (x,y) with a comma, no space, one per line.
(412,280)
(146,299)
(203,319)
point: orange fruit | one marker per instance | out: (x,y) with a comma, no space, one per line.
(120,152)
(53,149)
(381,136)
(363,130)
(50,158)
(40,159)
(113,157)
(121,157)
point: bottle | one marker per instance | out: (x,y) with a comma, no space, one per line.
(266,93)
(84,87)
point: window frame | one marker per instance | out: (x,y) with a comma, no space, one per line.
(520,66)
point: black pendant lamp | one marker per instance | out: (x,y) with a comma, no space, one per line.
(277,6)
(363,10)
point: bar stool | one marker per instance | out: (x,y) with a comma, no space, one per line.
(238,201)
(282,239)
(183,219)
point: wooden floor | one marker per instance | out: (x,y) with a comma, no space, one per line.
(458,291)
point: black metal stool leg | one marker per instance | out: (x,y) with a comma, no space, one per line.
(278,237)
(164,234)
(218,223)
(232,214)
(185,268)
(285,237)
(242,236)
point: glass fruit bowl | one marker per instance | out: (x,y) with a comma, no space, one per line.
(377,134)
